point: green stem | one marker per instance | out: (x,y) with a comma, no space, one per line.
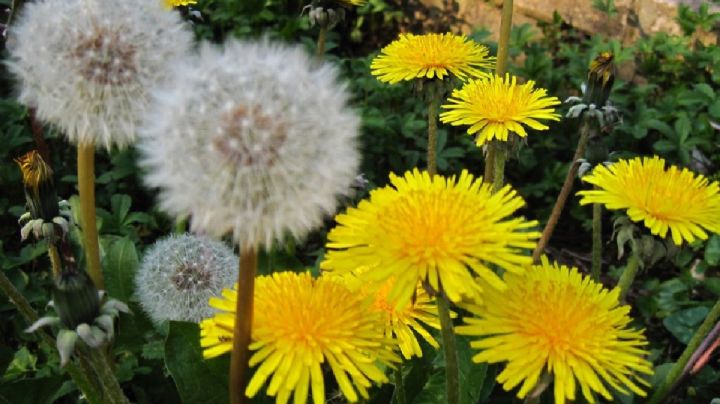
(81,375)
(564,192)
(320,48)
(489,163)
(628,275)
(432,128)
(88,221)
(496,149)
(597,242)
(450,348)
(54,259)
(98,360)
(243,325)
(181,225)
(676,371)
(399,394)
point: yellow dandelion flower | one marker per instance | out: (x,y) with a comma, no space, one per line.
(438,230)
(552,319)
(178,3)
(299,323)
(674,199)
(401,324)
(431,56)
(495,107)
(352,2)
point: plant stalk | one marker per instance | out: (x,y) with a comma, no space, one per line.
(534,396)
(399,394)
(96,358)
(489,161)
(452,374)
(320,48)
(596,267)
(243,325)
(564,192)
(81,375)
(55,262)
(673,376)
(499,165)
(88,221)
(432,128)
(628,275)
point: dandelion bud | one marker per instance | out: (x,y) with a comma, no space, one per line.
(40,195)
(179,274)
(75,298)
(600,79)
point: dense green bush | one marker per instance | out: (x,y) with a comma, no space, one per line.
(668,94)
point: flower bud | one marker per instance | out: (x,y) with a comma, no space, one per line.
(600,79)
(40,195)
(76,299)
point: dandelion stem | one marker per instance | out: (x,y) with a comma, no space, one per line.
(675,373)
(54,260)
(450,348)
(100,363)
(80,375)
(596,267)
(86,188)
(243,325)
(489,162)
(497,152)
(534,396)
(320,48)
(628,275)
(564,192)
(399,394)
(433,92)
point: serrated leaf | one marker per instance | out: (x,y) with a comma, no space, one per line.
(121,262)
(197,380)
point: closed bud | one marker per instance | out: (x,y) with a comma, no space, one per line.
(600,79)
(76,299)
(40,195)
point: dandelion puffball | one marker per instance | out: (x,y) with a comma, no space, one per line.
(86,65)
(179,274)
(253,139)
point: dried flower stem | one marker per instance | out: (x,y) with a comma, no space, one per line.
(433,101)
(628,275)
(81,375)
(496,149)
(673,376)
(596,267)
(243,325)
(86,188)
(564,192)
(450,348)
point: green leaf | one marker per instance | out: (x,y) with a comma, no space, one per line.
(705,90)
(121,262)
(120,204)
(712,250)
(197,380)
(682,324)
(37,391)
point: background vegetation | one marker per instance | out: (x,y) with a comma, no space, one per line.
(668,93)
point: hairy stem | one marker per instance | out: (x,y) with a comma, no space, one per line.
(88,221)
(628,275)
(673,376)
(81,375)
(452,374)
(243,325)
(564,192)
(98,360)
(596,267)
(432,128)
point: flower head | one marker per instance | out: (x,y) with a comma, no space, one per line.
(664,199)
(178,3)
(431,56)
(431,229)
(553,319)
(495,107)
(178,275)
(300,323)
(400,324)
(86,65)
(260,148)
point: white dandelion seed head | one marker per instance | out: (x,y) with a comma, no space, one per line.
(86,65)
(179,274)
(255,139)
